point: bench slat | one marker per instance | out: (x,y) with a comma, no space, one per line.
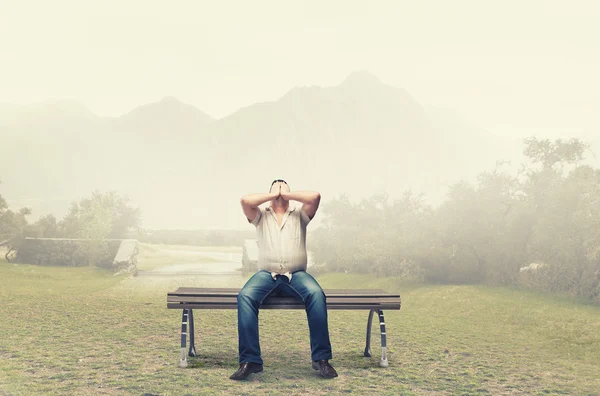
(277,299)
(287,306)
(227,292)
(226,298)
(186,290)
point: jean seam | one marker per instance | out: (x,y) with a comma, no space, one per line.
(267,295)
(294,289)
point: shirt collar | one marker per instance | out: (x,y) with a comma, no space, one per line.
(286,215)
(290,209)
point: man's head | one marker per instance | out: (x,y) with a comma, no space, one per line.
(275,187)
(279,183)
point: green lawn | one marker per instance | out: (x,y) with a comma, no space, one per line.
(82,331)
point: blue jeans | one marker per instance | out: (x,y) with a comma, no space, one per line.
(304,287)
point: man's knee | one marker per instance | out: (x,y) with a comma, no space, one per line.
(312,287)
(246,296)
(316,294)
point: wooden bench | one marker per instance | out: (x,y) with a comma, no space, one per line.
(189,298)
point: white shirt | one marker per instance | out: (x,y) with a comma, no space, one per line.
(281,248)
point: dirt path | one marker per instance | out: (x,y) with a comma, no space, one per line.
(188,268)
(193,267)
(228,264)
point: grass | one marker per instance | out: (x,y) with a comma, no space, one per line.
(82,331)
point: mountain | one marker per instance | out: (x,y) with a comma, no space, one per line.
(165,117)
(188,170)
(362,135)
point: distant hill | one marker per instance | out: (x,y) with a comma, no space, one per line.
(169,116)
(188,170)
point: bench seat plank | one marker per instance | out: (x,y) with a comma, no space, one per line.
(233,299)
(226,298)
(330,300)
(286,306)
(197,291)
(236,289)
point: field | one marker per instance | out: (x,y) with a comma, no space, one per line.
(82,331)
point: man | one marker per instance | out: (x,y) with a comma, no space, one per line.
(281,233)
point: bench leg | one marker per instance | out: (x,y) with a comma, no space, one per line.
(184,322)
(384,361)
(368,344)
(192,351)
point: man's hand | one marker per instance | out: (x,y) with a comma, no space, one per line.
(250,202)
(309,199)
(284,195)
(276,191)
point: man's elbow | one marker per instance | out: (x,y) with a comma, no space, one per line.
(247,203)
(317,198)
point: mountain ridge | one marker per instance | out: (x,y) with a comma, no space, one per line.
(187,169)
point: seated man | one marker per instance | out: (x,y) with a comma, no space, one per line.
(282,259)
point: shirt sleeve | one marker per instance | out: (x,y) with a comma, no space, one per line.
(257,219)
(303,216)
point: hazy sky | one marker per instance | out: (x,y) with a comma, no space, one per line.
(518,67)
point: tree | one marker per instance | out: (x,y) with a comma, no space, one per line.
(98,218)
(102,216)
(559,152)
(372,236)
(12,226)
(44,227)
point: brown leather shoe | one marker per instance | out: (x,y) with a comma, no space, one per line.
(324,368)
(245,370)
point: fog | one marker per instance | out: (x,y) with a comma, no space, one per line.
(185,107)
(455,146)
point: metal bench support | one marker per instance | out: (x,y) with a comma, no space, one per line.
(368,345)
(192,351)
(367,353)
(187,321)
(184,322)
(384,361)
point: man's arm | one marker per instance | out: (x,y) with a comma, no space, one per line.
(309,199)
(250,203)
